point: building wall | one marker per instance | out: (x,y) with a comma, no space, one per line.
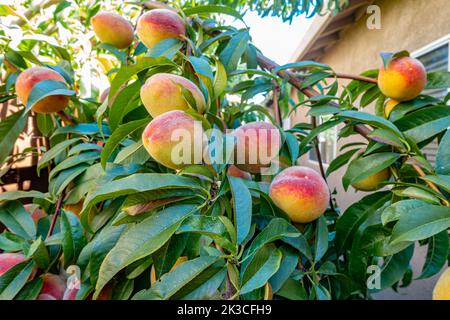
(406,25)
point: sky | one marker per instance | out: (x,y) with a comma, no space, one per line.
(275,38)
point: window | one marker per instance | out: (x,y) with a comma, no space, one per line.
(435,57)
(327,143)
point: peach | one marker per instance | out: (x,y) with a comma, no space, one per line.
(372,182)
(442,288)
(301,192)
(159,24)
(53,286)
(37,213)
(9,260)
(113,29)
(238,173)
(403,79)
(44,296)
(174,139)
(389,107)
(29,78)
(162,92)
(257,144)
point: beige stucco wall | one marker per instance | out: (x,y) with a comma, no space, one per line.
(406,25)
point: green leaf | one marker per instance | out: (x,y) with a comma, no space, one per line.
(38,252)
(321,242)
(417,224)
(232,53)
(355,215)
(10,129)
(372,120)
(210,226)
(134,153)
(31,290)
(302,65)
(45,124)
(14,216)
(15,195)
(316,131)
(289,262)
(83,129)
(395,267)
(425,123)
(212,9)
(47,88)
(438,80)
(362,168)
(293,290)
(141,240)
(126,100)
(340,161)
(54,152)
(73,239)
(85,157)
(118,135)
(13,280)
(84,147)
(183,279)
(437,255)
(57,185)
(126,72)
(417,193)
(260,269)
(165,257)
(276,229)
(396,210)
(242,204)
(443,155)
(220,78)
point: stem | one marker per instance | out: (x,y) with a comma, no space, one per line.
(354,77)
(276,107)
(67,119)
(55,215)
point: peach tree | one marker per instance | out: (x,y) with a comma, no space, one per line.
(123,219)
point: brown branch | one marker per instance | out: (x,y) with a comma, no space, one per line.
(276,107)
(354,77)
(67,119)
(55,215)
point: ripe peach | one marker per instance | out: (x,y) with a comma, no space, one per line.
(442,288)
(301,192)
(238,173)
(9,260)
(29,78)
(44,296)
(162,92)
(372,182)
(159,24)
(257,144)
(389,107)
(403,79)
(174,139)
(113,29)
(53,286)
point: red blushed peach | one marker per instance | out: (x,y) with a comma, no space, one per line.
(44,296)
(301,192)
(53,286)
(159,24)
(441,290)
(174,139)
(113,29)
(257,144)
(162,92)
(9,260)
(389,107)
(238,173)
(403,79)
(29,78)
(372,182)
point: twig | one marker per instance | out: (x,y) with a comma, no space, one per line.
(55,215)
(276,106)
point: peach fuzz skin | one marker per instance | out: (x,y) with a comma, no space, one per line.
(238,173)
(157,137)
(9,260)
(403,80)
(301,192)
(441,290)
(53,286)
(113,29)
(372,182)
(390,105)
(159,24)
(162,92)
(29,78)
(245,142)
